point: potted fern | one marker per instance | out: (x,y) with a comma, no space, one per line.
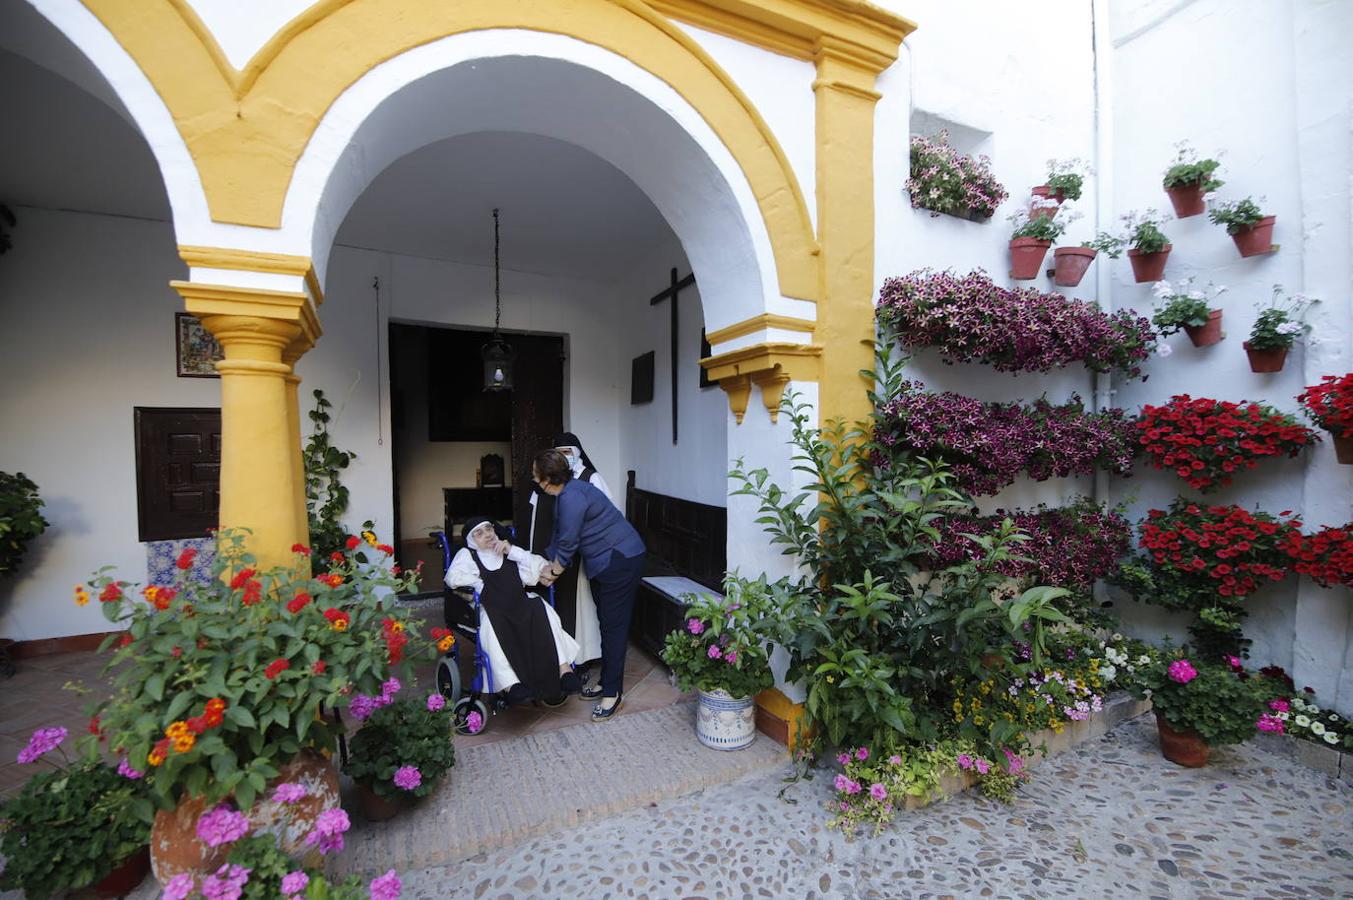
(1188,179)
(1247,225)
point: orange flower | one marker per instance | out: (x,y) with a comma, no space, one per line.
(446,643)
(176,731)
(159,752)
(111,593)
(333,580)
(185,743)
(81,595)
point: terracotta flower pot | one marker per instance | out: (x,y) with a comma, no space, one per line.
(1257,239)
(1343,449)
(1026,257)
(1071,264)
(1184,748)
(1206,335)
(1266,360)
(1149,266)
(376,808)
(1187,199)
(1046,193)
(123,880)
(175,849)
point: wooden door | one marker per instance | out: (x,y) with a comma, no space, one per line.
(537,413)
(178,472)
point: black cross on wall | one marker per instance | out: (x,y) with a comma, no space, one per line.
(677,285)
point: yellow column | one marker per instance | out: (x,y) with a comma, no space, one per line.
(293,382)
(845,99)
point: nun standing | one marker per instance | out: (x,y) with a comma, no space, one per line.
(572,591)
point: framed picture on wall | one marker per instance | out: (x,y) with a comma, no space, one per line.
(196,352)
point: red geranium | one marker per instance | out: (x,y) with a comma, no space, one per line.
(275,668)
(1326,556)
(240,578)
(1330,404)
(253,593)
(301,549)
(353,542)
(1205,441)
(1225,546)
(298,603)
(185,560)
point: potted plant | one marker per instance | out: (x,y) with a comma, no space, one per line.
(1280,323)
(1326,556)
(1247,225)
(1198,706)
(1066,179)
(223,687)
(1149,248)
(1030,240)
(1071,263)
(1188,179)
(400,753)
(1330,405)
(1187,309)
(20,519)
(721,654)
(76,826)
(946,181)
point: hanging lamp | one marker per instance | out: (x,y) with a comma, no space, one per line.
(497,353)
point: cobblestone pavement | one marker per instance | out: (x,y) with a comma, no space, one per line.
(1111,818)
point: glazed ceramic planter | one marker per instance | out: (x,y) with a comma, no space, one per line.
(1149,266)
(124,879)
(1187,199)
(1026,257)
(1184,748)
(1257,239)
(1266,361)
(725,722)
(1206,335)
(1071,263)
(175,848)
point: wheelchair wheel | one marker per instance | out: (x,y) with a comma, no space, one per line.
(554,704)
(448,678)
(462,711)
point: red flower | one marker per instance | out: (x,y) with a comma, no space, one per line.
(185,560)
(253,593)
(94,726)
(336,557)
(301,549)
(111,593)
(319,667)
(353,542)
(176,652)
(124,640)
(275,668)
(240,578)
(298,603)
(338,620)
(198,724)
(333,580)
(386,549)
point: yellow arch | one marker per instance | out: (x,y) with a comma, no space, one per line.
(247,129)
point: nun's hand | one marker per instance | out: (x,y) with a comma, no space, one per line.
(502,547)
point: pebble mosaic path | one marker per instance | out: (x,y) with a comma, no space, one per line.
(1111,818)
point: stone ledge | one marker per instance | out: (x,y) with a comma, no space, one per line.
(1326,760)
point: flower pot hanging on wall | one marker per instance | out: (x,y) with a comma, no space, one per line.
(1026,257)
(1257,239)
(1266,361)
(1206,335)
(1148,266)
(1187,199)
(1071,263)
(1343,449)
(1046,201)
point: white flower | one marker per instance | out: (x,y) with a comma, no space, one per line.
(1163,349)
(1197,295)
(1335,718)
(1162,290)
(1302,721)
(1331,738)
(1284,716)
(1147,693)
(1117,637)
(1143,660)
(1313,709)
(1298,703)
(1317,728)
(1107,672)
(1289,328)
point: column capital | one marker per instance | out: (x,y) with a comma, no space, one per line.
(292,308)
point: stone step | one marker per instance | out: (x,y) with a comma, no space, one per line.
(502,793)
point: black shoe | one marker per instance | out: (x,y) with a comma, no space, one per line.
(602,714)
(519,694)
(590,692)
(570,683)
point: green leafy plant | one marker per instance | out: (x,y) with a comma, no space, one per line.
(1236,216)
(269,866)
(217,684)
(67,829)
(1041,228)
(326,498)
(1066,177)
(1187,169)
(1182,305)
(1213,701)
(876,781)
(403,749)
(1281,321)
(1142,231)
(1108,244)
(20,519)
(720,647)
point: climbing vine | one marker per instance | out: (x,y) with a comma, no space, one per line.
(326,498)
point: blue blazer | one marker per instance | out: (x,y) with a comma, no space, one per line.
(586,522)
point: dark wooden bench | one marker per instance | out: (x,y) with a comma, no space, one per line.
(687,553)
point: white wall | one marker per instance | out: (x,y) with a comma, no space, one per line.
(86,334)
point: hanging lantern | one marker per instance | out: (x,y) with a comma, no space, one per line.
(497,353)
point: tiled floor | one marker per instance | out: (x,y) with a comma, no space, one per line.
(34,698)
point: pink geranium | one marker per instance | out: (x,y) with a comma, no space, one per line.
(1279,705)
(222,825)
(695,626)
(1182,672)
(1269,723)
(878,791)
(714,652)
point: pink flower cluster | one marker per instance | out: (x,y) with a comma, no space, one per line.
(967,762)
(126,771)
(294,883)
(41,742)
(386,887)
(289,793)
(970,318)
(436,702)
(362,706)
(946,181)
(408,777)
(222,825)
(328,833)
(1269,722)
(695,626)
(227,884)
(1182,671)
(989,445)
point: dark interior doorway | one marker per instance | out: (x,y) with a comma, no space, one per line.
(448,434)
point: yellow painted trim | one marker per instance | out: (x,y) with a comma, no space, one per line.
(800,361)
(226,300)
(246,131)
(738,388)
(794,715)
(253,261)
(760,323)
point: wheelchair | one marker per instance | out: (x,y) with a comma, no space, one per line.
(461,612)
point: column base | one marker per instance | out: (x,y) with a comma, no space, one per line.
(782,720)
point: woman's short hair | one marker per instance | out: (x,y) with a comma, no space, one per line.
(552,467)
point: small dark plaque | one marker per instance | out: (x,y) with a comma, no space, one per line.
(641,379)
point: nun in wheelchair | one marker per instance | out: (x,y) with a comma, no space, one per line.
(528,650)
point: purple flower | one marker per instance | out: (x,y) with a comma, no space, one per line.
(1013,763)
(878,791)
(227,884)
(714,652)
(862,754)
(731,657)
(44,740)
(981,765)
(408,777)
(389,689)
(843,758)
(852,787)
(474,722)
(179,887)
(294,883)
(386,887)
(361,706)
(222,825)
(328,832)
(964,761)
(695,626)
(841,782)
(895,760)
(1182,672)
(436,702)
(127,771)
(289,793)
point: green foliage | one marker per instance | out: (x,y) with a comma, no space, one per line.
(1217,629)
(1067,177)
(1236,216)
(1281,321)
(1040,228)
(1181,311)
(1110,245)
(733,626)
(67,829)
(1188,169)
(326,498)
(20,519)
(1147,237)
(268,865)
(1218,704)
(404,733)
(193,643)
